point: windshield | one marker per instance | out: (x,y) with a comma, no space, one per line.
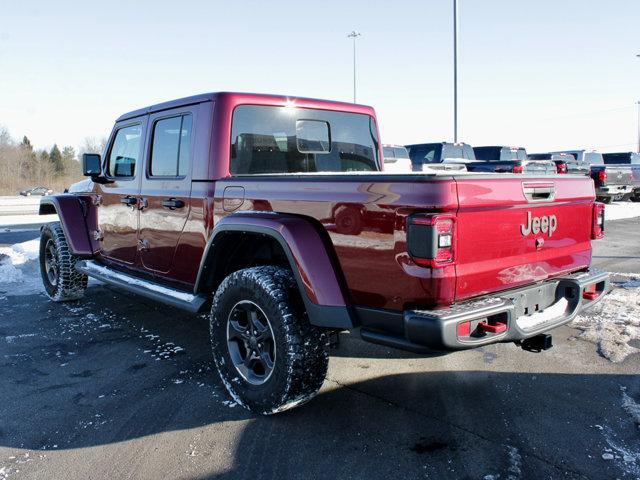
(270,139)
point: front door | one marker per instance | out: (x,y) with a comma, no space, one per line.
(166,188)
(118,213)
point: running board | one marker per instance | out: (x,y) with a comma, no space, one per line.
(170,296)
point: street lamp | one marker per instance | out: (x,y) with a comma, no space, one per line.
(354,34)
(455,71)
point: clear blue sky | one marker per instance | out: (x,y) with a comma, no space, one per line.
(544,74)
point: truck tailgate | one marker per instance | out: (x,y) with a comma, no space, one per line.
(501,242)
(619,175)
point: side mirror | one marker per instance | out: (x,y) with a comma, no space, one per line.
(91,165)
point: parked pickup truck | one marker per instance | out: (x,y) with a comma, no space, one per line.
(396,159)
(225,203)
(511,159)
(612,182)
(625,160)
(565,162)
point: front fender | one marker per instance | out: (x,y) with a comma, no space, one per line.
(308,256)
(77,218)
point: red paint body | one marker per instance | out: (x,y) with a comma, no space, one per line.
(375,269)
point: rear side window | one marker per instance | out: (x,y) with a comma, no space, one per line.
(171,147)
(271,139)
(125,151)
(400,152)
(387,153)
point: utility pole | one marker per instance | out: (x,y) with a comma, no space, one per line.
(354,34)
(455,71)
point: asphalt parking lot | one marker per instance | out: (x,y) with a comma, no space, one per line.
(116,386)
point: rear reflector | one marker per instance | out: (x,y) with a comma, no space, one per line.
(464,329)
(518,169)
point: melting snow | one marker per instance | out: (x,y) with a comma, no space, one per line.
(620,210)
(19,268)
(614,322)
(630,406)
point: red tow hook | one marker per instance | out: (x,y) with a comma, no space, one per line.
(590,292)
(498,327)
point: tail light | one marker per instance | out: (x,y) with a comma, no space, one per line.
(561,167)
(518,169)
(597,227)
(431,239)
(602,176)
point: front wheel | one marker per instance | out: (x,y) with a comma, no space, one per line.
(269,357)
(60,278)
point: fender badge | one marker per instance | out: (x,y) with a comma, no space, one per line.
(539,243)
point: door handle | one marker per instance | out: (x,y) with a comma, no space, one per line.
(129,201)
(172,203)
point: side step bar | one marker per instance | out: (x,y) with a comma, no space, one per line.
(170,296)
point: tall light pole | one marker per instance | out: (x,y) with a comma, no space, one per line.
(638,103)
(354,34)
(455,71)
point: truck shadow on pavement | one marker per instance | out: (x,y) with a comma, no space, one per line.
(114,368)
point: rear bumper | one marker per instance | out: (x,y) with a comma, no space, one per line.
(613,190)
(505,317)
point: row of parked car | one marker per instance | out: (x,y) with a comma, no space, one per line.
(616,176)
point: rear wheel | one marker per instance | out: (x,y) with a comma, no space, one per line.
(60,278)
(269,357)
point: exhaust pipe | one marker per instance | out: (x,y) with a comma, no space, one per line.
(536,344)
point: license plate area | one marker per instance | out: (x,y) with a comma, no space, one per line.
(535,299)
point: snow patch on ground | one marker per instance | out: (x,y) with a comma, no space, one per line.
(630,406)
(625,458)
(614,322)
(620,210)
(19,268)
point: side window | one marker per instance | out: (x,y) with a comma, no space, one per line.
(125,152)
(387,153)
(171,147)
(400,152)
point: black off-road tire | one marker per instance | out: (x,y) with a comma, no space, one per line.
(606,200)
(62,282)
(301,349)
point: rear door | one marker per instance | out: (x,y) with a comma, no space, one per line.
(166,187)
(118,213)
(515,231)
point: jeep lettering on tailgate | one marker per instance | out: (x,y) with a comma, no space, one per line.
(536,224)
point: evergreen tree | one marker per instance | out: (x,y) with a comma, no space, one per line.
(26,144)
(69,159)
(55,157)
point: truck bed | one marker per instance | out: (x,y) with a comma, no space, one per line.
(365,215)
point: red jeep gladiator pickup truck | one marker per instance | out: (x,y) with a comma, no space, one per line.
(271,213)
